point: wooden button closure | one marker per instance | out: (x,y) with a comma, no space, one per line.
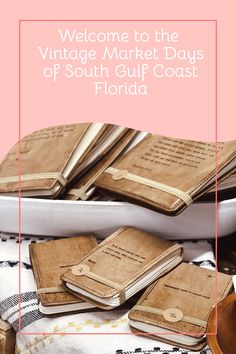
(120,175)
(80,269)
(173,315)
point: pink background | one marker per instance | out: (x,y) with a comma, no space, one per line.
(171,104)
(38,111)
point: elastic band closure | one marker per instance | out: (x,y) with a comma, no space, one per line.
(35,176)
(150,183)
(84,269)
(160,312)
(56,289)
(110,283)
(80,193)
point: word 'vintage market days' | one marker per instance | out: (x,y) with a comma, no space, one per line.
(83,56)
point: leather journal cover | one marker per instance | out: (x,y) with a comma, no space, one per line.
(84,188)
(167,174)
(48,158)
(121,265)
(49,260)
(7,338)
(176,307)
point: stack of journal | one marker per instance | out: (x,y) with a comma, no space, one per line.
(49,261)
(77,274)
(53,157)
(98,161)
(175,309)
(120,266)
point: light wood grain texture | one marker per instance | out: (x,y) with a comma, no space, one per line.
(224,342)
(7,338)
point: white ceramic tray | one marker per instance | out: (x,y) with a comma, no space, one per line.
(67,218)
